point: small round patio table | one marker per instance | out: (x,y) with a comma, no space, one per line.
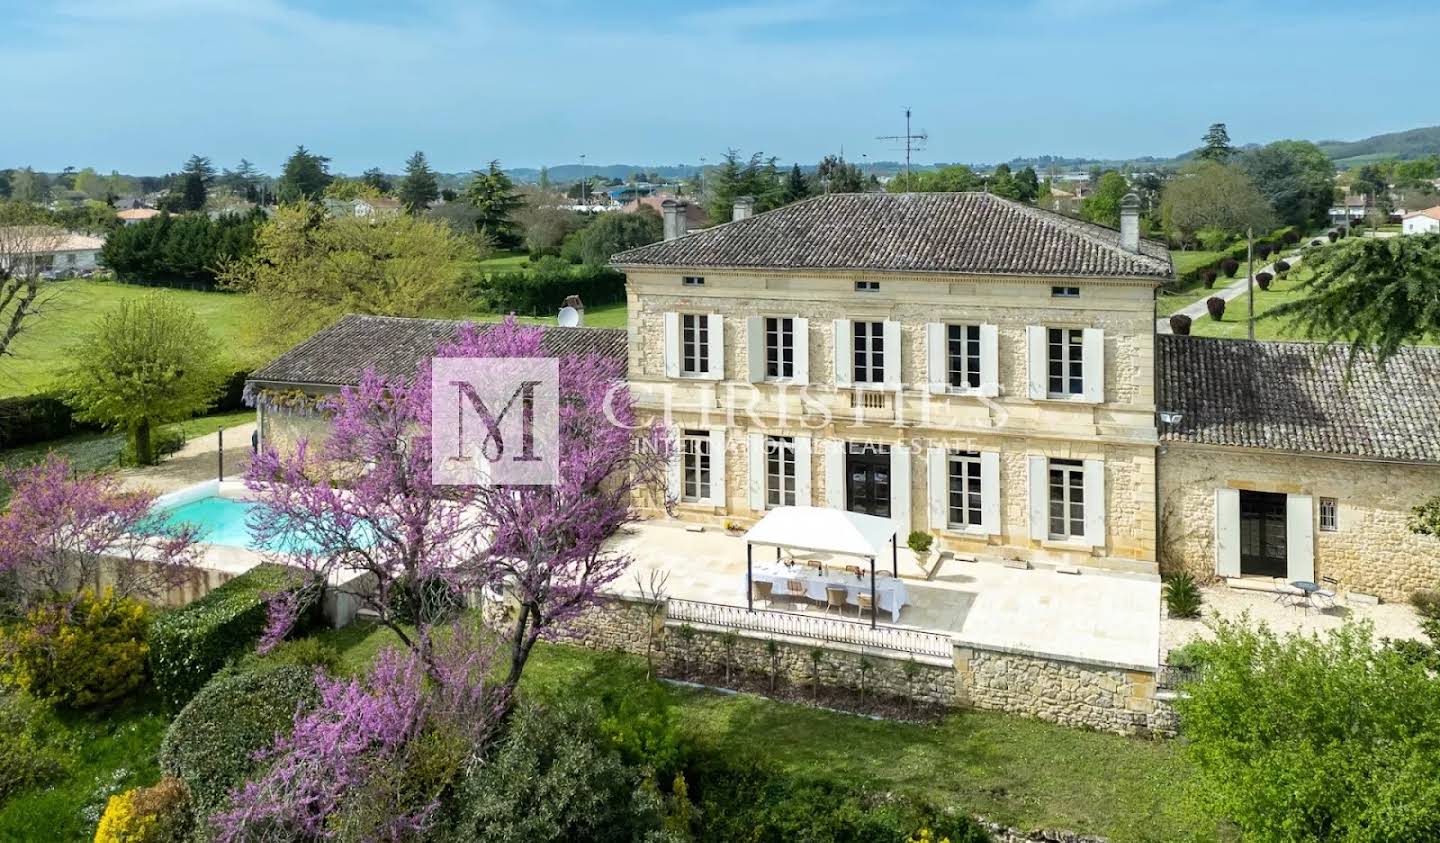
(1307,591)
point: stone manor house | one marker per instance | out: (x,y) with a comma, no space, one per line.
(989,373)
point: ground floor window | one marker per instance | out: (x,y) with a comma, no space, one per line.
(965,490)
(695,465)
(1329,515)
(1067,499)
(780,470)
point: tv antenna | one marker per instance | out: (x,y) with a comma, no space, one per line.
(914,142)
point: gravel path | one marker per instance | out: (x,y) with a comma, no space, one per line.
(1236,289)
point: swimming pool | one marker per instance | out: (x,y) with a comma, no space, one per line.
(220,521)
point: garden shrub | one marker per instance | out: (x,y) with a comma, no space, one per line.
(29,419)
(540,290)
(1230,266)
(310,653)
(920,541)
(27,759)
(157,814)
(80,652)
(188,645)
(1291,236)
(212,742)
(1180,324)
(1264,279)
(1282,267)
(1182,596)
(1427,603)
(1209,276)
(1263,250)
(1333,235)
(1216,306)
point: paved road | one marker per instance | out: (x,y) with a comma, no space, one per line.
(1196,309)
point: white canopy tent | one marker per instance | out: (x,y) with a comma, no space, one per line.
(815,529)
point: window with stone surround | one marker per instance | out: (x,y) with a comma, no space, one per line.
(1329,515)
(962,343)
(869,345)
(1067,499)
(694,344)
(779,347)
(966,495)
(779,471)
(1066,356)
(695,465)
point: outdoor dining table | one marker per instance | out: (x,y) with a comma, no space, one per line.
(889,592)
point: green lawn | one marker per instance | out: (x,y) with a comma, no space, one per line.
(1019,771)
(505,262)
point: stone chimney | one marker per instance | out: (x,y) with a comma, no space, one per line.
(1130,223)
(574,301)
(744,208)
(677,218)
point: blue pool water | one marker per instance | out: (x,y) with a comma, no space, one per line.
(220,521)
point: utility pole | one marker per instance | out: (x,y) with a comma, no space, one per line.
(702,179)
(584,184)
(913,142)
(1250,254)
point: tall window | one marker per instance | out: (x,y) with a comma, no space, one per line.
(695,465)
(780,470)
(963,353)
(694,344)
(1329,515)
(965,494)
(1067,362)
(779,347)
(1067,499)
(869,352)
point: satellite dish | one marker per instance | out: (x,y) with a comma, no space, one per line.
(569,317)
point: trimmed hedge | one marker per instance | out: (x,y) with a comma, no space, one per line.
(29,419)
(1216,306)
(212,742)
(188,645)
(1274,241)
(1180,325)
(1264,279)
(541,291)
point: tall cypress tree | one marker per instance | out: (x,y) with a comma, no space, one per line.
(419,187)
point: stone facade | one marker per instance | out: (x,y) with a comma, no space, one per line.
(1371,551)
(1119,429)
(1070,693)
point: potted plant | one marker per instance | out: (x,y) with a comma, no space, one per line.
(920,542)
(733,527)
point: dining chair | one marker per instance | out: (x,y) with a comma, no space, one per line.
(763,590)
(835,598)
(1329,590)
(795,589)
(864,605)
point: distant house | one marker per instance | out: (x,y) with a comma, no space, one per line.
(381,207)
(134,216)
(1422,222)
(695,215)
(1351,209)
(41,249)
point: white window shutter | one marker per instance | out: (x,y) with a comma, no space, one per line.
(900,490)
(844,353)
(802,351)
(835,477)
(803,470)
(1300,538)
(1039,499)
(892,356)
(1037,372)
(674,484)
(715,327)
(1095,503)
(1093,340)
(672,345)
(990,492)
(755,348)
(756,450)
(937,361)
(1227,532)
(718,496)
(989,361)
(937,488)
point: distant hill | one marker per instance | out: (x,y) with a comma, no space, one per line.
(1412,143)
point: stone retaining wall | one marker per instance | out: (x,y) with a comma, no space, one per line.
(1101,697)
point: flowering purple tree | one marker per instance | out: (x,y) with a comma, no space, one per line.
(60,531)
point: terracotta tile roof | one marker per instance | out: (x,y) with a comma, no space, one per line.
(975,233)
(1293,396)
(394,347)
(137,213)
(1432,213)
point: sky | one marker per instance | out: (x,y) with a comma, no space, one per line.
(139,85)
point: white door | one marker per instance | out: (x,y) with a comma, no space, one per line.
(1227,532)
(1300,538)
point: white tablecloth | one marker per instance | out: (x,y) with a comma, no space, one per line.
(889,591)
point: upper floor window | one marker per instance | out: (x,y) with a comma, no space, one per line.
(1067,499)
(966,494)
(963,356)
(1065,292)
(1066,357)
(780,470)
(869,347)
(693,281)
(694,344)
(695,465)
(867,286)
(779,347)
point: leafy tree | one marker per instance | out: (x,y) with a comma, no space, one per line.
(614,233)
(5,186)
(347,190)
(945,180)
(243,181)
(200,166)
(545,226)
(193,194)
(544,179)
(797,187)
(1213,197)
(1103,205)
(26,233)
(1370,181)
(836,175)
(377,180)
(493,193)
(307,269)
(305,176)
(26,185)
(1296,177)
(419,187)
(186,250)
(1216,144)
(90,183)
(757,176)
(148,362)
(1313,738)
(1027,185)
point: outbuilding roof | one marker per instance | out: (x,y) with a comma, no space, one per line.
(1296,396)
(394,346)
(970,233)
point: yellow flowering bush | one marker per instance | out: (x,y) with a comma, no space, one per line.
(159,814)
(80,653)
